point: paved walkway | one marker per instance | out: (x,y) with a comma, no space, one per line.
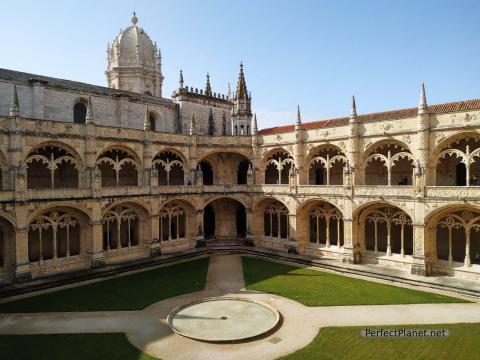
(148,330)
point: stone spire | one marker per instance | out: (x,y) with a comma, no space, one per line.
(298,122)
(192,125)
(422,105)
(353,113)
(89,115)
(208,88)
(241,85)
(180,82)
(146,120)
(254,125)
(229,92)
(14,106)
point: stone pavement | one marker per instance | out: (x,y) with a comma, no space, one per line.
(148,330)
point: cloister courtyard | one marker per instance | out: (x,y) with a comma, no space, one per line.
(124,316)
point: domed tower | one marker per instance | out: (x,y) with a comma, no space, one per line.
(134,62)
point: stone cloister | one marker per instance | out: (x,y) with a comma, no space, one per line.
(75,201)
(92,176)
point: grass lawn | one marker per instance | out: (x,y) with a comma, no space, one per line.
(69,346)
(318,288)
(130,292)
(337,343)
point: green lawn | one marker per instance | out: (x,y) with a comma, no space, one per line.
(345,343)
(318,288)
(130,292)
(69,346)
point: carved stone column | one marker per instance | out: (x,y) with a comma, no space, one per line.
(420,264)
(200,231)
(95,247)
(23,271)
(155,245)
(351,247)
(293,245)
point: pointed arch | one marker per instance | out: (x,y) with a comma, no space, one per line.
(388,162)
(119,166)
(53,165)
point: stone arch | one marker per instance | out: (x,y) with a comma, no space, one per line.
(48,208)
(177,219)
(225,165)
(384,230)
(453,232)
(325,164)
(119,166)
(267,154)
(319,224)
(456,160)
(53,165)
(57,233)
(126,226)
(277,166)
(232,210)
(271,222)
(388,162)
(170,166)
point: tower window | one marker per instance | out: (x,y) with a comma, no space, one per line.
(242,130)
(80,112)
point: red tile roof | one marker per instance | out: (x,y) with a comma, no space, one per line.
(385,115)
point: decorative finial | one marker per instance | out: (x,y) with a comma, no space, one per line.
(254,125)
(89,115)
(181,80)
(146,120)
(134,19)
(208,88)
(298,123)
(192,125)
(14,106)
(353,112)
(422,105)
(229,92)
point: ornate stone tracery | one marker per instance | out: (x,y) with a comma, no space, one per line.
(172,222)
(51,166)
(320,229)
(278,167)
(46,232)
(276,221)
(454,223)
(389,217)
(171,169)
(120,228)
(118,167)
(389,156)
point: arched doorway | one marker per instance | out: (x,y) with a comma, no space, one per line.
(207,172)
(224,218)
(208,221)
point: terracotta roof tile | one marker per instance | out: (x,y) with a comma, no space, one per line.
(385,115)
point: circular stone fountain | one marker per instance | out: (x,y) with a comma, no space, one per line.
(223,319)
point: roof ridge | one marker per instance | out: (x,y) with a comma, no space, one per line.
(401,113)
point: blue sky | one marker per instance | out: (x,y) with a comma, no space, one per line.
(313,53)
